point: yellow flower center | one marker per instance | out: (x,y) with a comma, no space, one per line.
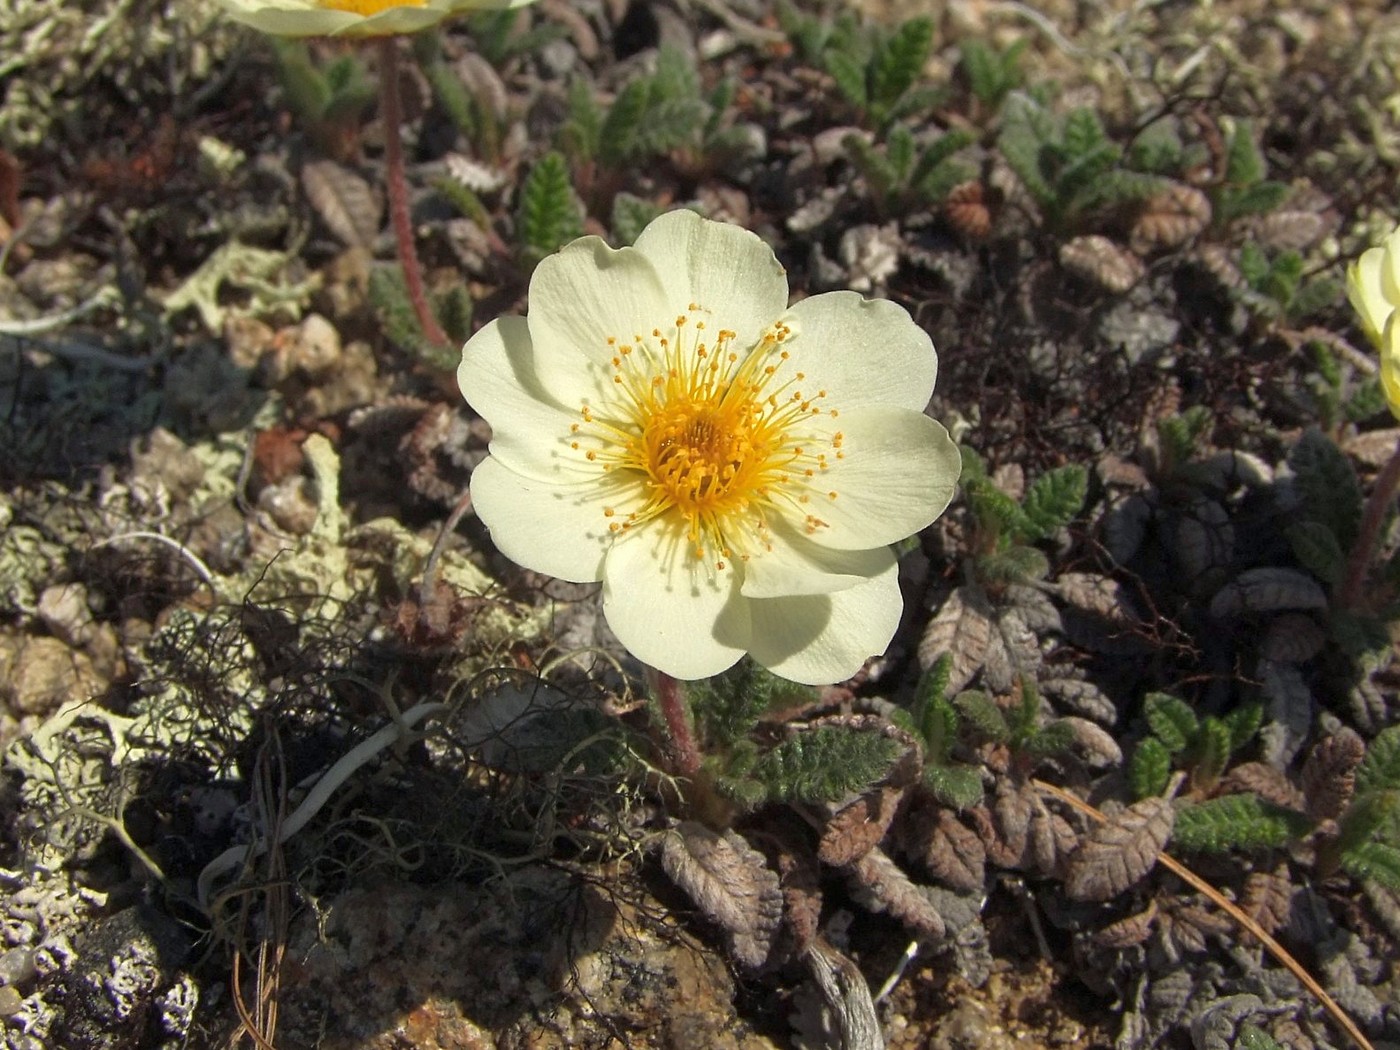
(720,439)
(368,7)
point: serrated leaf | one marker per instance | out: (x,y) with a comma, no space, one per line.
(949,849)
(345,202)
(1244,164)
(550,214)
(995,510)
(1316,547)
(1379,861)
(1016,563)
(898,64)
(1171,719)
(621,129)
(849,75)
(1119,852)
(1150,768)
(1083,132)
(1327,485)
(825,764)
(883,886)
(1054,499)
(1252,1037)
(1380,769)
(730,882)
(962,628)
(630,216)
(1243,723)
(1265,590)
(1210,754)
(1258,199)
(1055,739)
(982,713)
(1243,821)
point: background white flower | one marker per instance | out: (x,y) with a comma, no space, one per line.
(352,17)
(732,469)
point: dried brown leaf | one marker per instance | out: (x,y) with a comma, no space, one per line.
(1120,851)
(1188,926)
(1203,537)
(1126,932)
(800,876)
(730,882)
(1171,218)
(1050,841)
(1266,898)
(344,201)
(1097,259)
(1373,448)
(858,828)
(1101,616)
(1292,638)
(948,849)
(1329,774)
(1290,229)
(968,211)
(963,629)
(1096,745)
(883,886)
(1266,781)
(1267,589)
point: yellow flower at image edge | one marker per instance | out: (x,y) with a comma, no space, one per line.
(352,17)
(1373,286)
(733,470)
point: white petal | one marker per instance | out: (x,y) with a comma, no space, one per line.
(899,473)
(561,530)
(670,611)
(1390,364)
(795,566)
(530,431)
(582,296)
(721,268)
(824,638)
(862,351)
(1390,269)
(1365,292)
(289,18)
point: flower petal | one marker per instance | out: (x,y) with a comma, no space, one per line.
(1390,363)
(395,20)
(530,430)
(862,351)
(1364,291)
(794,565)
(720,267)
(669,610)
(899,471)
(289,18)
(819,639)
(582,296)
(1390,269)
(561,530)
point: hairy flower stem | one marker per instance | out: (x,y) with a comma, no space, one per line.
(1369,535)
(392,117)
(670,699)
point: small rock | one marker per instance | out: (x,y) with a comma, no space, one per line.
(38,675)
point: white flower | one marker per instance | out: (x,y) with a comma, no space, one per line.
(353,17)
(1373,286)
(732,469)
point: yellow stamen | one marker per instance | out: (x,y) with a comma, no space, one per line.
(368,7)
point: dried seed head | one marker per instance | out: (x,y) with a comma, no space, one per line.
(1169,219)
(1099,260)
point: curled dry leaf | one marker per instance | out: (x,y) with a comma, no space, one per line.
(1169,219)
(1288,711)
(800,876)
(347,204)
(1267,589)
(881,884)
(1050,840)
(1099,260)
(1096,745)
(1126,932)
(1329,774)
(963,629)
(1188,926)
(1290,229)
(730,882)
(1080,696)
(852,1022)
(858,828)
(1120,851)
(1101,616)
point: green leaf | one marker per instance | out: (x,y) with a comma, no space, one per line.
(849,76)
(991,76)
(959,786)
(727,706)
(1252,1037)
(1326,481)
(455,311)
(1366,401)
(1083,133)
(1026,128)
(899,152)
(983,714)
(1378,861)
(1380,769)
(1157,149)
(1171,719)
(1315,296)
(581,134)
(1015,563)
(619,137)
(1180,436)
(1150,768)
(1254,264)
(1211,753)
(1025,716)
(1244,164)
(1243,723)
(1055,739)
(1243,821)
(1317,550)
(1053,500)
(879,173)
(995,510)
(898,64)
(550,214)
(825,764)
(937,152)
(630,216)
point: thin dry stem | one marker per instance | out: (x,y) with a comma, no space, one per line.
(1275,949)
(1372,520)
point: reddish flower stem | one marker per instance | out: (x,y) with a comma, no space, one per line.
(1370,533)
(670,699)
(392,117)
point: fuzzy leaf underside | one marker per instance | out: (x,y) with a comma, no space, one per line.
(1119,852)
